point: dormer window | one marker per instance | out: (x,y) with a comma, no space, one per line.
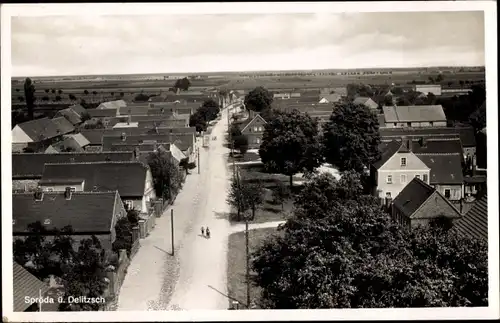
(403,161)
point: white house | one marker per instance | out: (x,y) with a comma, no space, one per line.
(414,116)
(428,88)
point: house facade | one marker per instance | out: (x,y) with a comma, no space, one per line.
(254,130)
(396,169)
(419,204)
(414,116)
(428,88)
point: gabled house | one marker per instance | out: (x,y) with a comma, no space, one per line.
(396,168)
(73,142)
(330,98)
(414,116)
(367,102)
(254,130)
(25,284)
(418,204)
(70,115)
(41,131)
(428,88)
(27,168)
(474,223)
(88,213)
(133,180)
(78,108)
(63,125)
(103,114)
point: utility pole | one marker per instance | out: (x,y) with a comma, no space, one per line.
(172,227)
(248,262)
(198,152)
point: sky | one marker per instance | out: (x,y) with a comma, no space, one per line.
(86,45)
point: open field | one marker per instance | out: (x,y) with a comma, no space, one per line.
(236,270)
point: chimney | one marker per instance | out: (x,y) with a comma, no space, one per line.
(67,193)
(129,119)
(136,153)
(123,136)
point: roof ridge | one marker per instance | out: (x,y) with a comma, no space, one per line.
(438,154)
(73,193)
(99,162)
(73,153)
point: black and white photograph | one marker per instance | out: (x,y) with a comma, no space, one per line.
(237,158)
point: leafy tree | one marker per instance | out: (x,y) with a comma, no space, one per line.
(58,98)
(86,276)
(86,92)
(97,125)
(183,84)
(94,92)
(123,230)
(258,99)
(60,92)
(281,193)
(20,98)
(351,137)
(47,90)
(53,91)
(112,93)
(241,143)
(167,179)
(72,97)
(141,97)
(186,165)
(197,120)
(45,98)
(29,95)
(387,101)
(439,78)
(209,110)
(290,144)
(244,196)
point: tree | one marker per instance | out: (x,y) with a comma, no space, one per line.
(439,78)
(29,95)
(72,97)
(141,97)
(47,90)
(60,92)
(209,110)
(97,125)
(122,94)
(478,118)
(197,120)
(183,84)
(351,138)
(290,144)
(124,230)
(186,165)
(86,92)
(167,180)
(281,193)
(259,99)
(58,98)
(112,93)
(241,143)
(244,196)
(45,98)
(86,276)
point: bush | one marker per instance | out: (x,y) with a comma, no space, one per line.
(141,97)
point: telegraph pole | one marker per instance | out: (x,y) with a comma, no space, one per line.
(248,262)
(172,227)
(198,152)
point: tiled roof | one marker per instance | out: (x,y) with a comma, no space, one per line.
(95,135)
(40,129)
(119,146)
(388,151)
(127,177)
(157,98)
(86,212)
(100,113)
(134,111)
(79,138)
(63,125)
(113,104)
(475,222)
(415,193)
(437,146)
(78,108)
(70,114)
(466,134)
(170,110)
(24,284)
(381,120)
(28,165)
(162,123)
(445,168)
(65,144)
(257,117)
(416,113)
(331,98)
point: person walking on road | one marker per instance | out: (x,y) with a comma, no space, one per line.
(203,231)
(208,232)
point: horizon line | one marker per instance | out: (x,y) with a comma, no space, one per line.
(259,71)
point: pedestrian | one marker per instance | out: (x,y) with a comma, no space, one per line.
(202,231)
(208,232)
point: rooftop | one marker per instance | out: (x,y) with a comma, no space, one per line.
(25,284)
(475,222)
(415,193)
(417,113)
(466,134)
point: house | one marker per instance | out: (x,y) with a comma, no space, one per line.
(437,162)
(466,135)
(71,115)
(414,116)
(88,213)
(419,204)
(161,123)
(428,88)
(78,108)
(104,115)
(118,104)
(27,168)
(132,179)
(72,142)
(330,98)
(367,102)
(254,130)
(121,125)
(474,223)
(34,133)
(342,91)
(474,184)
(397,166)
(25,284)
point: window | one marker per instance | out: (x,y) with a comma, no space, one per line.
(257,140)
(447,193)
(388,195)
(417,176)
(255,129)
(129,204)
(261,129)
(403,161)
(425,178)
(395,124)
(50,189)
(403,179)
(72,189)
(389,179)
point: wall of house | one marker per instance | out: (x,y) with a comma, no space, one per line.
(469,150)
(414,166)
(105,239)
(254,140)
(24,185)
(434,207)
(19,136)
(456,191)
(138,204)
(422,124)
(62,187)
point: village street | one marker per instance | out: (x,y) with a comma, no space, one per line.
(199,265)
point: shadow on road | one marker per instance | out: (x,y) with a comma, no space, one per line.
(227,296)
(223,215)
(167,252)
